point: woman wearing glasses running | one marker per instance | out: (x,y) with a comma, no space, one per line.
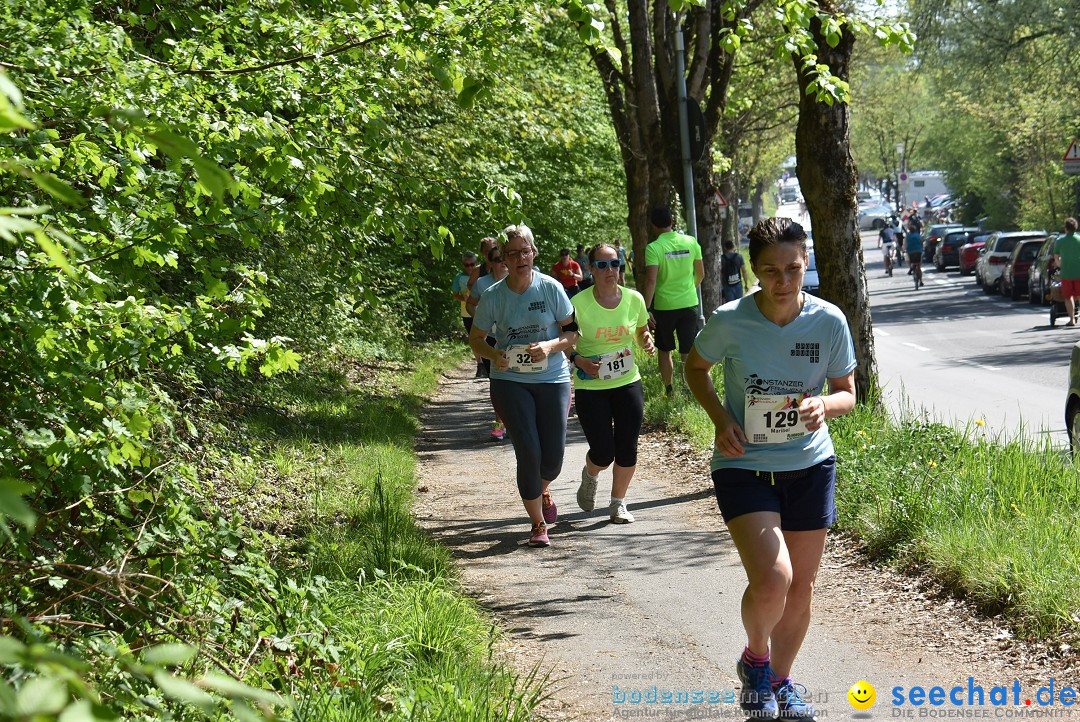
(533,322)
(788,366)
(607,384)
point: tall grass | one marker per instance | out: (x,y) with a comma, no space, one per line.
(995,523)
(405,642)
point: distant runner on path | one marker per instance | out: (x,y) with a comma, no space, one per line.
(607,383)
(773,468)
(460,289)
(533,323)
(497,271)
(673,271)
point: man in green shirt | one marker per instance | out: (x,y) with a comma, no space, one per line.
(1067,252)
(673,272)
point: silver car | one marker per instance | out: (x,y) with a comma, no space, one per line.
(874,217)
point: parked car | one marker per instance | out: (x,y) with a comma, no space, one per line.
(1014,279)
(869,198)
(789,193)
(994,255)
(810,282)
(1039,273)
(874,217)
(1072,400)
(948,251)
(969,253)
(932,236)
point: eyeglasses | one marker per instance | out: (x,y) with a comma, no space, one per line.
(614,263)
(523,253)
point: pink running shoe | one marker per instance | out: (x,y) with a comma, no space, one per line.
(539,536)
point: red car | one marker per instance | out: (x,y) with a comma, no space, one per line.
(1014,279)
(969,254)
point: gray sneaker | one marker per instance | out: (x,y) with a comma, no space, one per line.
(586,493)
(620,514)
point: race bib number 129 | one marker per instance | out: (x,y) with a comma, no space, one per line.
(522,361)
(773,418)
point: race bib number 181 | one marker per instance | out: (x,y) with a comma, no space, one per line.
(615,364)
(773,418)
(522,361)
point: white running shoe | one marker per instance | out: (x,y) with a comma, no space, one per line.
(620,514)
(586,493)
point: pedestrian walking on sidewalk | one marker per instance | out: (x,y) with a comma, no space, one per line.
(533,323)
(1067,256)
(788,364)
(607,383)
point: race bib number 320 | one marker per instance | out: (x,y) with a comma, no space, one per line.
(522,361)
(773,418)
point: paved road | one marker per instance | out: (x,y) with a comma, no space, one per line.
(960,354)
(957,354)
(613,612)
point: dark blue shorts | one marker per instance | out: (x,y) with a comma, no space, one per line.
(804,499)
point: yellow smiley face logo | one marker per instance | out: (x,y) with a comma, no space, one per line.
(862,695)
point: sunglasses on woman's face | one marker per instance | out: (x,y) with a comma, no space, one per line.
(614,263)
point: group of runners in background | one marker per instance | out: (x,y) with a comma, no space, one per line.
(788,364)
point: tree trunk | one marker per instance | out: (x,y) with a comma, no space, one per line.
(827,176)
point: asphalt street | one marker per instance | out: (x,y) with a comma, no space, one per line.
(955,354)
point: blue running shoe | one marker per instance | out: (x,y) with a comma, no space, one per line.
(792,707)
(756,697)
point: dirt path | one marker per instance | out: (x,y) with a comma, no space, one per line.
(615,611)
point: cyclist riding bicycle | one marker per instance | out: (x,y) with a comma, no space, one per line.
(886,241)
(913,245)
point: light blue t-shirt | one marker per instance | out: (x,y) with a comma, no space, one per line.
(760,357)
(521,319)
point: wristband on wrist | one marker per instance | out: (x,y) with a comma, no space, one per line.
(573,355)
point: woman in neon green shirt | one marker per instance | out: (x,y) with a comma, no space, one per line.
(607,384)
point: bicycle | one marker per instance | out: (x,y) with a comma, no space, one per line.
(916,273)
(888,261)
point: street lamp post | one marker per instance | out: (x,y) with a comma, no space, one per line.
(901,176)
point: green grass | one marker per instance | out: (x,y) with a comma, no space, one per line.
(997,524)
(402,639)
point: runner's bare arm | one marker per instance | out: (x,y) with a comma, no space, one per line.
(650,284)
(540,350)
(729,436)
(815,410)
(699,272)
(478,343)
(645,339)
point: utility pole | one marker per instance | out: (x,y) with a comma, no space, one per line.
(689,203)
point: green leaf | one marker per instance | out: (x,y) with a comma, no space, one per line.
(182,690)
(42,696)
(86,711)
(57,188)
(169,655)
(467,96)
(12,225)
(229,687)
(173,144)
(53,251)
(12,506)
(11,649)
(213,177)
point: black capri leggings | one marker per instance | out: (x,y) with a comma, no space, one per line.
(611,420)
(535,416)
